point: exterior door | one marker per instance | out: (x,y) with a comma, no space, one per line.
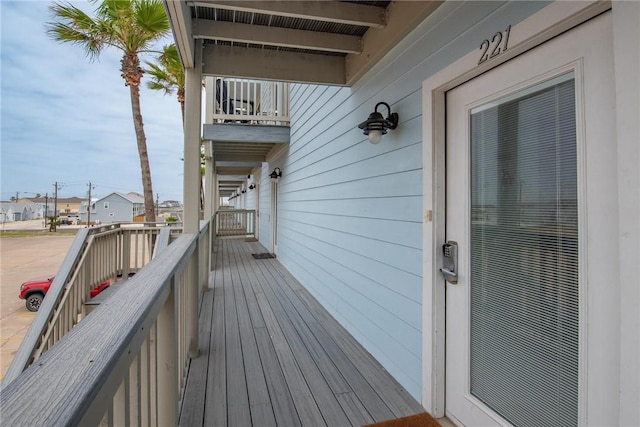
(516,139)
(274,216)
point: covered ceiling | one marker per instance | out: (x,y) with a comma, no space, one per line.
(327,42)
(324,42)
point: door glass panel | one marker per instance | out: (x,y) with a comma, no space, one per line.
(524,255)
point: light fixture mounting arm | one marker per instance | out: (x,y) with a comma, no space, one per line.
(392,118)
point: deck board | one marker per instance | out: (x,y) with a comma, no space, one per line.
(270,355)
(259,402)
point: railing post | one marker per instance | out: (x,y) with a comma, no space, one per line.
(194,297)
(166,353)
(126,253)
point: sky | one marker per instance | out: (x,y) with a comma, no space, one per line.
(68,120)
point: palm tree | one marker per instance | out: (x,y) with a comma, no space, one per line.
(168,74)
(132,26)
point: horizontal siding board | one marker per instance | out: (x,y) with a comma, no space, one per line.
(401,184)
(385,167)
(394,310)
(321,95)
(380,208)
(356,163)
(398,233)
(402,262)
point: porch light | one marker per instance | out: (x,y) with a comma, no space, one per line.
(277,173)
(376,125)
(252,186)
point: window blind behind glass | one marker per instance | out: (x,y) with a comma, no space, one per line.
(524,257)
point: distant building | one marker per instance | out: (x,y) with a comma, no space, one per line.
(11,211)
(65,205)
(170,204)
(115,207)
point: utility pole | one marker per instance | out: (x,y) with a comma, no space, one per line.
(46,208)
(89,207)
(55,207)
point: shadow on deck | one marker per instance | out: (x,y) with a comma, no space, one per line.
(270,355)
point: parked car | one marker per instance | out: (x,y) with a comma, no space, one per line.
(34,290)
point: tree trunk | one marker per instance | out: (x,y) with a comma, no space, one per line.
(181,101)
(149,208)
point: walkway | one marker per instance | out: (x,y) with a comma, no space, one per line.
(270,355)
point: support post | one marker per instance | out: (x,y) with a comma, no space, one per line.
(193,95)
(209,181)
(192,180)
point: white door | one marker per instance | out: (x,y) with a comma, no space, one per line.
(518,196)
(274,216)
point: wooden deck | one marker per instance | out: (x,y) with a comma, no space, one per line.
(270,355)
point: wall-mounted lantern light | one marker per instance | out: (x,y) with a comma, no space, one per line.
(376,125)
(277,173)
(252,186)
(244,191)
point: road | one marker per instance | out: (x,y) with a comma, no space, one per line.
(23,258)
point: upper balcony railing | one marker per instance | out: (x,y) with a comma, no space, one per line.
(231,100)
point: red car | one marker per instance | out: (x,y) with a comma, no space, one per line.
(34,290)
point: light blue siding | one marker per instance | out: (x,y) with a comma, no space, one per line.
(350,213)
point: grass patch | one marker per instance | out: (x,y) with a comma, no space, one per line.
(18,233)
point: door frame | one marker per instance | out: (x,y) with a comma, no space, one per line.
(542,26)
(275,183)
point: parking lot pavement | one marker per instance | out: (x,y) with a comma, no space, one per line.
(23,258)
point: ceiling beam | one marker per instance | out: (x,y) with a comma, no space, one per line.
(241,158)
(326,11)
(224,164)
(266,64)
(275,36)
(180,19)
(402,18)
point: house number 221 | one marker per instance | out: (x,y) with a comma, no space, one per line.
(499,43)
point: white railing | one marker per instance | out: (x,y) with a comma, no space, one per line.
(126,362)
(247,101)
(107,253)
(237,222)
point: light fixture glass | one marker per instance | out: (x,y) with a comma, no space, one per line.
(375,136)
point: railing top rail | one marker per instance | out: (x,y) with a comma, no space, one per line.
(62,386)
